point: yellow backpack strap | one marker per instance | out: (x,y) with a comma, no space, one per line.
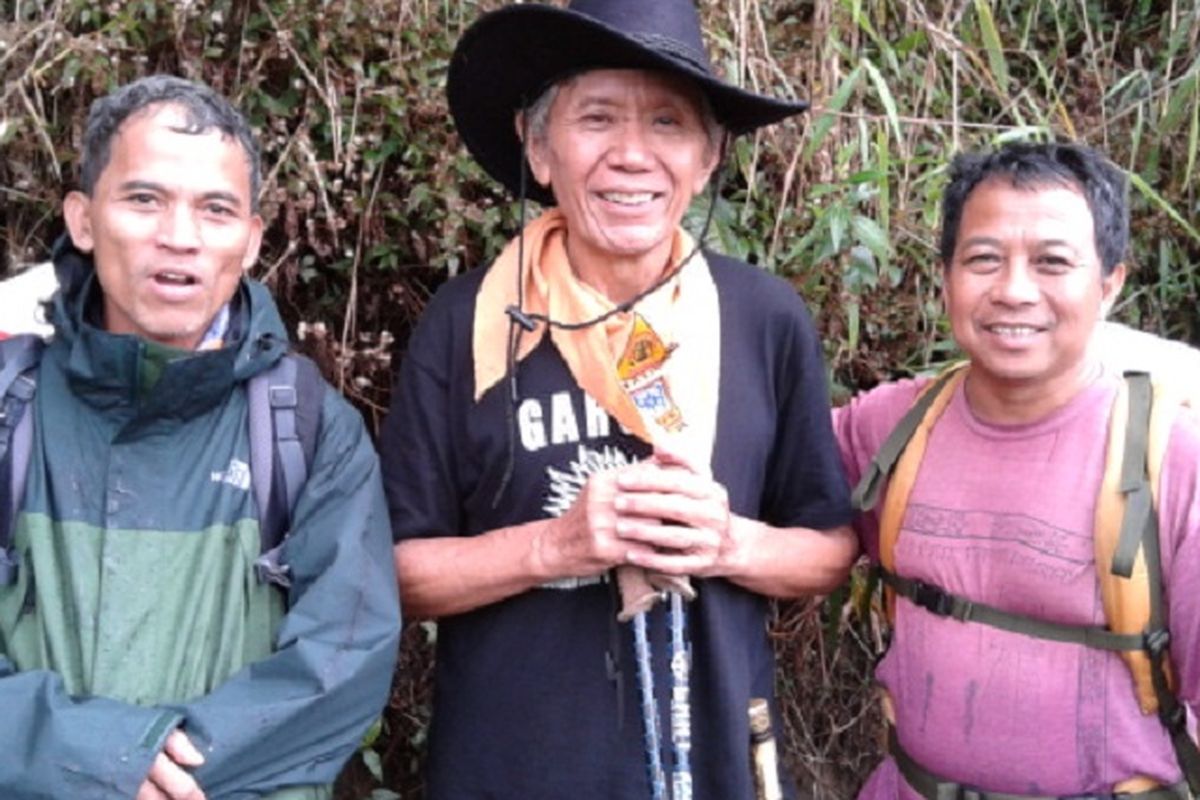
(900,458)
(1126,525)
(1124,505)
(1128,556)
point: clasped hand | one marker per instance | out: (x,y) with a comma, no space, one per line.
(666,514)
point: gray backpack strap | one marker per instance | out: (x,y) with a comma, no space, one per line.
(261,451)
(284,417)
(1139,514)
(19,357)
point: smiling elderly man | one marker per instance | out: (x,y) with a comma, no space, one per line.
(148,649)
(608,413)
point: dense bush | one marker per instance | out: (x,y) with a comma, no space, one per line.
(371,202)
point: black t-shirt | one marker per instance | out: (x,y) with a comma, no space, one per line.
(524,706)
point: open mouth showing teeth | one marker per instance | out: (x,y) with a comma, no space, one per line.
(1013,330)
(174,279)
(628,198)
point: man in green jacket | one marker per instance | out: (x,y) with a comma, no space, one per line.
(141,656)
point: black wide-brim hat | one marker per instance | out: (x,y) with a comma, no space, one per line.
(507,58)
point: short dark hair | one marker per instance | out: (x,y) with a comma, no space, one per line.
(203,110)
(1029,166)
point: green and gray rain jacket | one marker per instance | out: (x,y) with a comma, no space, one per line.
(137,609)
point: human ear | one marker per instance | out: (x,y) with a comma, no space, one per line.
(1110,288)
(77,208)
(713,154)
(253,243)
(534,147)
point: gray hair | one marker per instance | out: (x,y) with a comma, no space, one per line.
(203,110)
(537,114)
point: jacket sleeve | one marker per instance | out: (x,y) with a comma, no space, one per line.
(296,716)
(49,740)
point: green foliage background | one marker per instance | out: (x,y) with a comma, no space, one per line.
(371,203)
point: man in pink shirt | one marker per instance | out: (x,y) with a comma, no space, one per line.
(1002,507)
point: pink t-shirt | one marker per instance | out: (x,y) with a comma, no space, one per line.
(1004,515)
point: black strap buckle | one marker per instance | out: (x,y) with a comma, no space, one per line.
(932,598)
(1173,716)
(1156,642)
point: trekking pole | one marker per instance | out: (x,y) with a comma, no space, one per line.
(650,729)
(762,752)
(681,706)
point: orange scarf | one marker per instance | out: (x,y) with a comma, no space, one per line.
(552,289)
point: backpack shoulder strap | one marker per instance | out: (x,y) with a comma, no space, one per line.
(19,357)
(900,459)
(1126,525)
(866,494)
(284,422)
(1127,540)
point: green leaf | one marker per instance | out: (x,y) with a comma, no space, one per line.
(1155,198)
(991,43)
(853,320)
(838,223)
(1193,142)
(883,157)
(1182,101)
(885,97)
(374,764)
(836,103)
(868,233)
(372,734)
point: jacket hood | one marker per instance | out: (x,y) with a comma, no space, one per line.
(104,367)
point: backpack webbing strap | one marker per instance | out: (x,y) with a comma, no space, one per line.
(866,494)
(938,601)
(18,381)
(284,401)
(17,462)
(1172,713)
(284,417)
(934,787)
(261,448)
(1158,641)
(1135,485)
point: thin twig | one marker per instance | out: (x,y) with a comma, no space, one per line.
(40,127)
(349,322)
(322,190)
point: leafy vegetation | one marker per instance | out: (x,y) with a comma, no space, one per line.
(371,203)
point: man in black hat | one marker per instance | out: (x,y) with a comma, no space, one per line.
(607,417)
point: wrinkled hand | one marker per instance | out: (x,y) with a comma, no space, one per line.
(673,515)
(664,514)
(584,540)
(168,778)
